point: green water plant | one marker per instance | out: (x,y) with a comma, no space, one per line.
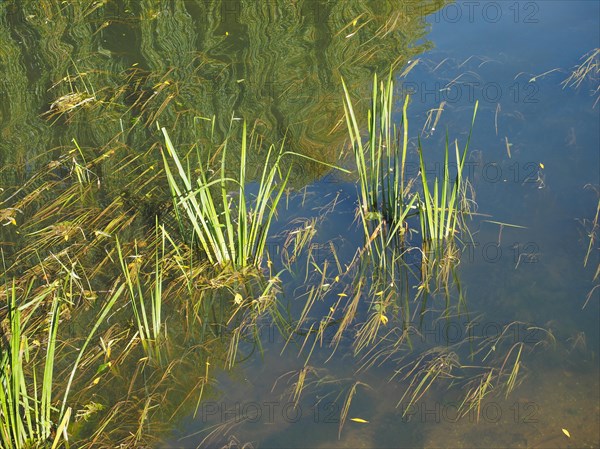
(230,232)
(147,306)
(27,416)
(381,160)
(230,223)
(440,205)
(386,196)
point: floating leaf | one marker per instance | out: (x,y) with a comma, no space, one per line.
(103,368)
(566,432)
(371,215)
(541,166)
(99,233)
(362,421)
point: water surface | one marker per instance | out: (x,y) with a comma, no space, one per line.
(533,163)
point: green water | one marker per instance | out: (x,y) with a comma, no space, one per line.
(118,67)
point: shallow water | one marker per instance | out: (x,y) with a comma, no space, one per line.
(533,163)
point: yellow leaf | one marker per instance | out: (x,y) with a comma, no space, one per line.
(541,166)
(384,319)
(238,299)
(566,432)
(359,420)
(379,293)
(355,22)
(342,294)
(95,381)
(337,279)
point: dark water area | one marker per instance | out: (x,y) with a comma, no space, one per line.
(533,164)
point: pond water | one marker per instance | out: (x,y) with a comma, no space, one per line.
(521,297)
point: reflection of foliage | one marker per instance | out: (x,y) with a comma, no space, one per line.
(172,61)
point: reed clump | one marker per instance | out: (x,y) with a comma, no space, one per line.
(387,196)
(232,231)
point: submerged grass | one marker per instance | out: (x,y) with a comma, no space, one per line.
(593,236)
(589,69)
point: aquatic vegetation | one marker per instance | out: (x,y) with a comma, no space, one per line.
(150,325)
(140,264)
(442,205)
(228,232)
(231,224)
(593,234)
(588,70)
(593,237)
(27,415)
(386,196)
